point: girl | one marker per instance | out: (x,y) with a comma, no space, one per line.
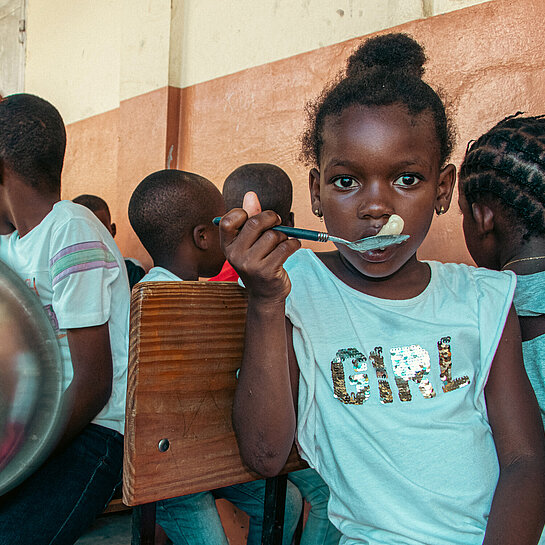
(412,401)
(502,197)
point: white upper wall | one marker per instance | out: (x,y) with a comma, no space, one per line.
(219,37)
(73,55)
(86,56)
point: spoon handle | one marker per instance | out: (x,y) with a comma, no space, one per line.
(305,234)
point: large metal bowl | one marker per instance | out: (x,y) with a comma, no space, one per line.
(31,382)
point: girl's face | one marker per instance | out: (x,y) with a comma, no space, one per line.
(375,162)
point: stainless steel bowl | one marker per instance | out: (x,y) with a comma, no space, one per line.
(31,382)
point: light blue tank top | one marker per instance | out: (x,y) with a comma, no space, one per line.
(391,408)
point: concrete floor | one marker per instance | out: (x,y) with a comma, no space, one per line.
(111,529)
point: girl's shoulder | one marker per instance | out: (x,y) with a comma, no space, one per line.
(473,281)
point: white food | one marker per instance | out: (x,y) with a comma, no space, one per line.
(393,227)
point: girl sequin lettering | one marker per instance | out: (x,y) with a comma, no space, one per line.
(410,364)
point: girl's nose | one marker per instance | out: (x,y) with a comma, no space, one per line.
(375,201)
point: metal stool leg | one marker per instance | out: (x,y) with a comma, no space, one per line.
(143,524)
(275,503)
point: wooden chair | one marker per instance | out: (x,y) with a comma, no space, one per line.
(186,342)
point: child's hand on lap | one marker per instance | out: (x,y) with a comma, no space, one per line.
(257,252)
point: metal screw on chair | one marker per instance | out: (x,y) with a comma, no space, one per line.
(163,445)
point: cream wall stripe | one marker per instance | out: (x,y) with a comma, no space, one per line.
(73,55)
(220,37)
(86,56)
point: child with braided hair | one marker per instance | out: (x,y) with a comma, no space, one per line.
(502,197)
(389,371)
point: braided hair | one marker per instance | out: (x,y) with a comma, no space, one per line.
(506,165)
(384,70)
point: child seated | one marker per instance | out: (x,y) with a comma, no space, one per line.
(100,209)
(402,378)
(171,212)
(502,197)
(65,256)
(274,190)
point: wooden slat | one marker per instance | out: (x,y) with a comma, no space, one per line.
(186,342)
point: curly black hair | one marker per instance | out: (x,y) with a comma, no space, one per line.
(507,164)
(32,140)
(383,70)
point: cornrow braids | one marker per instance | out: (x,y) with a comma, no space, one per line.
(507,164)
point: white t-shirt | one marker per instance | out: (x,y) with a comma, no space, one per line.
(72,263)
(158,274)
(391,409)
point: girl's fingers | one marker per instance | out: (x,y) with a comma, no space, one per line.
(277,257)
(251,204)
(236,225)
(230,225)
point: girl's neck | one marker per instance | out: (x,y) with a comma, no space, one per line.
(407,282)
(526,259)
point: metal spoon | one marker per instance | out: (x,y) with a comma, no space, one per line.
(363,245)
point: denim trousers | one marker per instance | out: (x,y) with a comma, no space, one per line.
(194,519)
(318,529)
(59,501)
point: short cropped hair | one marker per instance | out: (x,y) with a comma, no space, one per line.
(92,202)
(167,205)
(32,140)
(270,183)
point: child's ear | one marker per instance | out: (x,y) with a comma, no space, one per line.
(484,218)
(314,187)
(200,236)
(113,229)
(445,188)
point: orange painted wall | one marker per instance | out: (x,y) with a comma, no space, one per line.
(488,59)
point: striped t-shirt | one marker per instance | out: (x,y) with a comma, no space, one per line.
(72,263)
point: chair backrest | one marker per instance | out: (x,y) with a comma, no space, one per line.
(186,342)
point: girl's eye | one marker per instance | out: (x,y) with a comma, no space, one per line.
(407,180)
(345,182)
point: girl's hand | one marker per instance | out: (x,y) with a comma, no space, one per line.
(257,252)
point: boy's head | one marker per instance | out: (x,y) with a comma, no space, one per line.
(32,141)
(171,211)
(270,183)
(502,187)
(99,208)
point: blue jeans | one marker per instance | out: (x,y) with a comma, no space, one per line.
(194,519)
(318,529)
(59,501)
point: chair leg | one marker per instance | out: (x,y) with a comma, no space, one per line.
(275,503)
(143,524)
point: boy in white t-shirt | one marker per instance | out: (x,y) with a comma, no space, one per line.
(64,254)
(99,207)
(171,212)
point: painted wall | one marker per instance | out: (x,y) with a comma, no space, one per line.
(488,60)
(124,121)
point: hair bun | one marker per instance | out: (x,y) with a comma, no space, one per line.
(394,52)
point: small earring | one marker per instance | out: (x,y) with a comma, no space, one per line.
(318,214)
(441,211)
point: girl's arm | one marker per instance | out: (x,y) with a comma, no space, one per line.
(263,410)
(517,514)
